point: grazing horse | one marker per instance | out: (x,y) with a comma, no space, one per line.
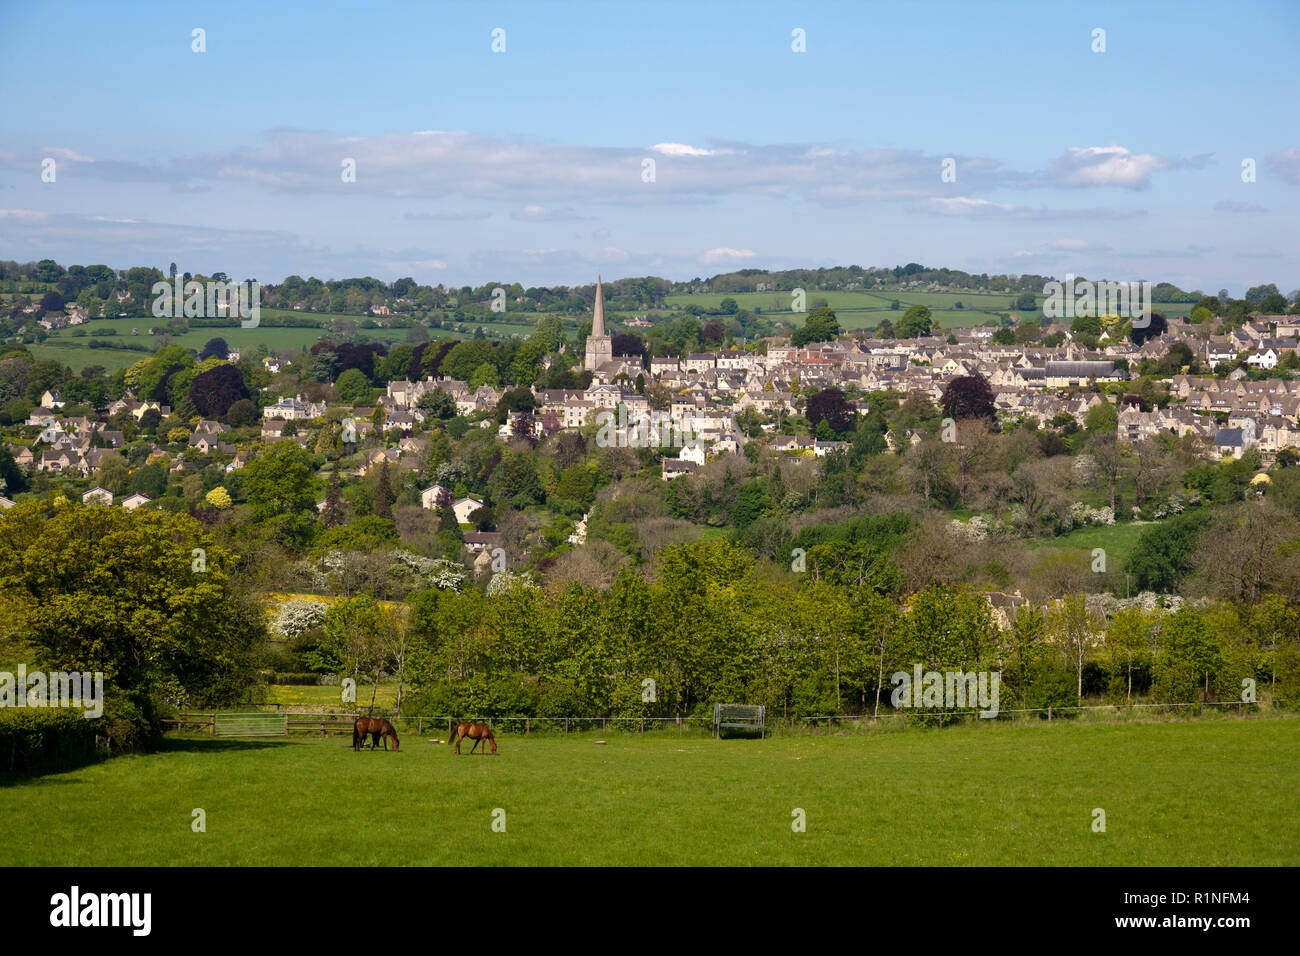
(376,727)
(479,733)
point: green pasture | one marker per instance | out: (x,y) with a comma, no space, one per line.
(290,696)
(75,352)
(865,310)
(1196,793)
(1117,540)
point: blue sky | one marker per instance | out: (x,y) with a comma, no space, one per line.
(527,165)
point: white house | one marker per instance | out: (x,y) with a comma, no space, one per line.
(465,507)
(294,409)
(429,496)
(97,496)
(693,452)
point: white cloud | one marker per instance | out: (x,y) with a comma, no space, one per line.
(449,215)
(1106,166)
(535,213)
(1229,207)
(724,253)
(1287,165)
(681,149)
(963,206)
(975,208)
(434,164)
(69,155)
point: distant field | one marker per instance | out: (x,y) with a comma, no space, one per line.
(1116,540)
(74,351)
(79,357)
(865,310)
(288,696)
(1198,793)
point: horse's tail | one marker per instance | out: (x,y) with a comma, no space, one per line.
(452,738)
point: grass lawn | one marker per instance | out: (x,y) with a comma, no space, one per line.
(1118,541)
(1223,792)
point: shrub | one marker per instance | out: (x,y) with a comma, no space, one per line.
(41,739)
(296,679)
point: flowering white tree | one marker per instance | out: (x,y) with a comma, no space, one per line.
(433,572)
(505,581)
(294,618)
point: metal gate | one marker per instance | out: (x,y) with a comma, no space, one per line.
(251,725)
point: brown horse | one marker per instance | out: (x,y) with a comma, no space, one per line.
(376,727)
(479,733)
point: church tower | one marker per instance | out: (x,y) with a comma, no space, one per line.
(600,348)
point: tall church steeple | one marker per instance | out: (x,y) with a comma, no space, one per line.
(600,347)
(598,319)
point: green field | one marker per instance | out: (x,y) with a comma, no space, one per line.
(865,310)
(288,696)
(1215,792)
(1117,540)
(75,351)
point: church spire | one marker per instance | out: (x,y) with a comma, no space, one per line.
(600,347)
(598,318)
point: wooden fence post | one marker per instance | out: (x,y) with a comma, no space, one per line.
(1049,715)
(212,726)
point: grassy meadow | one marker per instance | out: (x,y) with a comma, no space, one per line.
(307,696)
(865,310)
(1211,792)
(75,351)
(1117,540)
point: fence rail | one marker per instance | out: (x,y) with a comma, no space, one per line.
(279,723)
